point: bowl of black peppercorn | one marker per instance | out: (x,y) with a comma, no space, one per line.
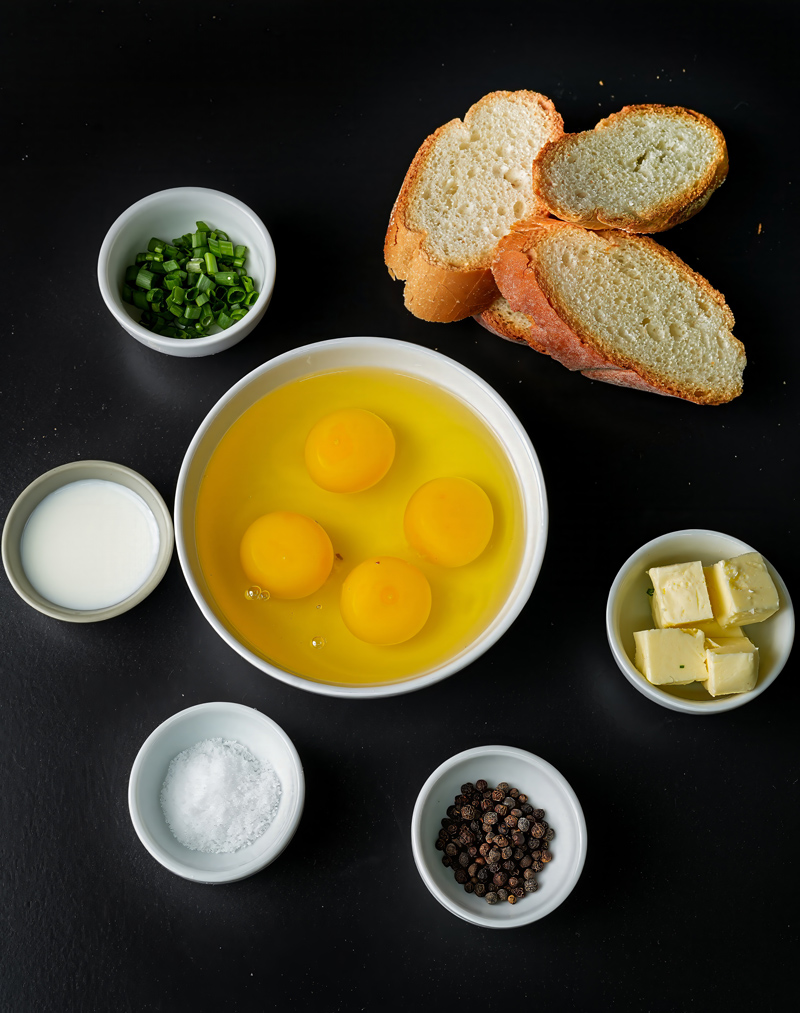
(498,836)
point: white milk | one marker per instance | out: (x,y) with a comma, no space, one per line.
(89,544)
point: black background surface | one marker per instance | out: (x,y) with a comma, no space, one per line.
(310,113)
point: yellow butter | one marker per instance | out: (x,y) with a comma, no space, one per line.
(671,657)
(741,590)
(680,596)
(732,664)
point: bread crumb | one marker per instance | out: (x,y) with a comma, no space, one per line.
(759,229)
(599,82)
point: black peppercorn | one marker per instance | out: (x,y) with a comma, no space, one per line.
(495,841)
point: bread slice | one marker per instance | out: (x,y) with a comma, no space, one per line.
(501,320)
(643,169)
(467,185)
(621,308)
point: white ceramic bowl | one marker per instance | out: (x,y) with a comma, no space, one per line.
(31,497)
(265,740)
(171,213)
(628,611)
(546,789)
(409,359)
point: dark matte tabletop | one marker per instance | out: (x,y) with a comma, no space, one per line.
(310,113)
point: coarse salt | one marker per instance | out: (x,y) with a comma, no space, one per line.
(218,798)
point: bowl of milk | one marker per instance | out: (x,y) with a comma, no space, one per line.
(87,541)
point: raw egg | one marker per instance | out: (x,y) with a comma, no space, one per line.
(349,450)
(288,554)
(385,600)
(449,521)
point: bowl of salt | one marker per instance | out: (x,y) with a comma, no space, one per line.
(216,792)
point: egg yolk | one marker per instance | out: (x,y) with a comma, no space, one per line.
(449,521)
(287,554)
(349,450)
(385,601)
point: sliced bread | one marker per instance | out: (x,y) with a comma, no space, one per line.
(468,184)
(621,308)
(643,169)
(506,323)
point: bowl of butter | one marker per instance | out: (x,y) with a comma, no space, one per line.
(699,621)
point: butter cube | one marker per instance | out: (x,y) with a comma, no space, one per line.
(680,596)
(671,657)
(732,664)
(741,590)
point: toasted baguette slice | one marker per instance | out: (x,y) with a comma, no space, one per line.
(467,185)
(643,169)
(501,320)
(622,309)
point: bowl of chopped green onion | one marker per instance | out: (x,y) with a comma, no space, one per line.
(187,271)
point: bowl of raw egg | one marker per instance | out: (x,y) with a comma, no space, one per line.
(361,517)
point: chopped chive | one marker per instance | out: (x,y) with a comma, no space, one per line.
(189,287)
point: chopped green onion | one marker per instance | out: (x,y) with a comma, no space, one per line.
(186,288)
(145,278)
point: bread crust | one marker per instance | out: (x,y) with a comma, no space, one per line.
(501,320)
(666,215)
(524,284)
(434,289)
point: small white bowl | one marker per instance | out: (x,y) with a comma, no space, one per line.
(231,721)
(411,360)
(628,611)
(171,213)
(546,789)
(32,496)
